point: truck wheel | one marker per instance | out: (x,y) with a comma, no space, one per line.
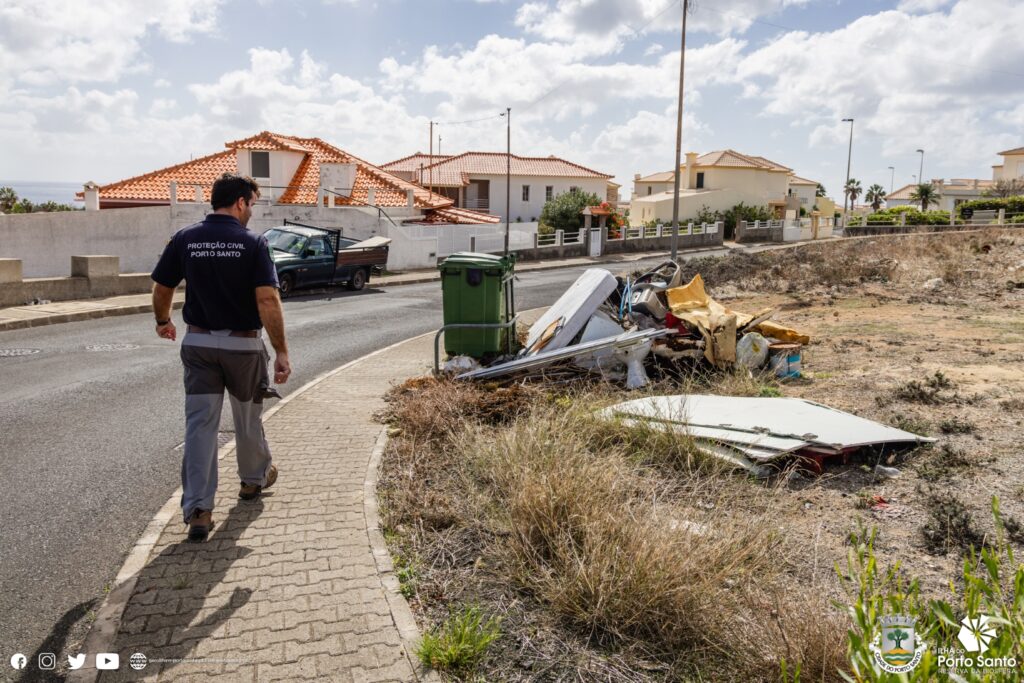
(358,280)
(287,284)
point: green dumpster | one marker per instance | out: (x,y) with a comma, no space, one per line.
(477,289)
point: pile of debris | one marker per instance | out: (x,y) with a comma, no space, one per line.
(619,326)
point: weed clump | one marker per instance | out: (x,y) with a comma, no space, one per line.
(956,425)
(950,525)
(929,392)
(461,642)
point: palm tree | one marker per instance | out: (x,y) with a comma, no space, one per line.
(875,196)
(820,191)
(8,198)
(852,190)
(926,193)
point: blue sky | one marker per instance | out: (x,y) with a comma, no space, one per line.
(115,88)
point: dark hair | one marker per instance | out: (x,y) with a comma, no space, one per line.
(229,188)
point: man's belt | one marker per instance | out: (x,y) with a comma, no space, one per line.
(252,334)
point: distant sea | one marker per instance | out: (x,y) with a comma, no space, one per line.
(39,191)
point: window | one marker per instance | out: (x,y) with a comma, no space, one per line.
(549,193)
(700,179)
(526,193)
(650,189)
(573,188)
(316,246)
(260,164)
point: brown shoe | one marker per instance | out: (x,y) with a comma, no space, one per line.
(251,491)
(199,525)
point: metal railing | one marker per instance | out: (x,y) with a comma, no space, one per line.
(477,204)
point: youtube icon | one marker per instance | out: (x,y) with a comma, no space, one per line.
(108,661)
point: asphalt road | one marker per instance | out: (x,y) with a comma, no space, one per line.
(90,420)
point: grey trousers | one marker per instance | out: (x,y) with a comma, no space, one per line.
(215,362)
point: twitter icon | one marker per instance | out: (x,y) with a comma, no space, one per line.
(76,662)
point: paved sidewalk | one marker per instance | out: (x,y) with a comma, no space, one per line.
(18,317)
(294,586)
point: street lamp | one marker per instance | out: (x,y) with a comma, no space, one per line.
(849,155)
(892,177)
(920,171)
(508,172)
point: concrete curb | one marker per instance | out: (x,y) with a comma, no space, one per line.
(83,315)
(401,613)
(103,632)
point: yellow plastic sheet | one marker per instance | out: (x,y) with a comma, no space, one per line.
(718,324)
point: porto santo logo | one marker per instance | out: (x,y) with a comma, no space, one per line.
(897,648)
(976,634)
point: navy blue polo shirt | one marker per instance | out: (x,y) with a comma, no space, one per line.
(222,263)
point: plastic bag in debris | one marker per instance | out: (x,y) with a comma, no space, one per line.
(752,350)
(460,364)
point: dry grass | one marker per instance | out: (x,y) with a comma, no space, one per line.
(910,260)
(624,545)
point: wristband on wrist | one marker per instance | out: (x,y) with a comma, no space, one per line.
(163,322)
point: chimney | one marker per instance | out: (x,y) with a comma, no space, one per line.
(636,176)
(410,195)
(371,193)
(92,196)
(691,170)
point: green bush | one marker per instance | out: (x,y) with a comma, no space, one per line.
(730,217)
(1011,204)
(914,216)
(564,211)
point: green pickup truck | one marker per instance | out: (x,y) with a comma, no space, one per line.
(307,257)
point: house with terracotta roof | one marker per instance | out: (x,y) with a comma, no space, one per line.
(292,172)
(952,193)
(718,181)
(477,180)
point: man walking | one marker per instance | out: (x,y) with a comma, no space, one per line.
(230,294)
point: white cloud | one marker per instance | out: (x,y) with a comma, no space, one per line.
(304,98)
(923,5)
(909,81)
(572,20)
(547,80)
(655,48)
(50,41)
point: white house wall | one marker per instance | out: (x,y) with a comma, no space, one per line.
(527,211)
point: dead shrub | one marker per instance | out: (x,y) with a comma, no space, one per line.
(687,567)
(950,524)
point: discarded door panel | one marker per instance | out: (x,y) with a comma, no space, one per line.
(539,360)
(564,320)
(791,418)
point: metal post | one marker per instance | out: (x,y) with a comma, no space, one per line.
(679,136)
(508,172)
(431,185)
(892,177)
(846,194)
(920,171)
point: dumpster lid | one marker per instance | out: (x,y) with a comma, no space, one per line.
(471,259)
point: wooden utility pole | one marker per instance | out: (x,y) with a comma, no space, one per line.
(679,136)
